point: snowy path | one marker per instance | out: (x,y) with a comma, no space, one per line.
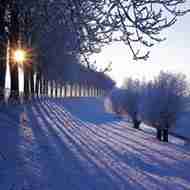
(57,150)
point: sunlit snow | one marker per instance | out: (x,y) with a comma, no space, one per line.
(80,147)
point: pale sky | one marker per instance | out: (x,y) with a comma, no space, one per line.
(172,55)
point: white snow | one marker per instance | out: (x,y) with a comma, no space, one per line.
(73,144)
(182,126)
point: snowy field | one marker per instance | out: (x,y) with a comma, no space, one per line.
(182,124)
(80,147)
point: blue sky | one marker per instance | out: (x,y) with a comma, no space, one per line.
(171,55)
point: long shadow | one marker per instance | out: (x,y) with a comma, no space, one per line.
(112,155)
(164,152)
(85,118)
(109,156)
(152,136)
(106,182)
(59,116)
(156,169)
(117,132)
(158,160)
(179,167)
(168,151)
(83,144)
(13,144)
(64,162)
(131,139)
(63,151)
(71,175)
(147,139)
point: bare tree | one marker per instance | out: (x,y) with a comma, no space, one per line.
(164,101)
(133,92)
(96,23)
(134,22)
(117,99)
(92,23)
(127,100)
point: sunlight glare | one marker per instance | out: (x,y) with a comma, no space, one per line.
(19,55)
(124,66)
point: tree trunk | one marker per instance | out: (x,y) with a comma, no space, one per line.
(159,134)
(56,89)
(88,90)
(95,91)
(61,90)
(80,90)
(165,135)
(65,90)
(76,90)
(32,83)
(41,86)
(14,39)
(91,91)
(71,90)
(136,123)
(51,88)
(99,92)
(46,88)
(37,91)
(2,49)
(14,81)
(2,70)
(26,83)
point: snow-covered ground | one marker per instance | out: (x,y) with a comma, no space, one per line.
(183,125)
(62,145)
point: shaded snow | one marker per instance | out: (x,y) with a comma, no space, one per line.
(182,126)
(76,148)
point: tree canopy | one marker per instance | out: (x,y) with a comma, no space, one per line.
(164,99)
(95,23)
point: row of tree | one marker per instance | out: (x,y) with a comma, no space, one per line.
(90,24)
(81,27)
(54,89)
(50,43)
(74,80)
(73,76)
(158,103)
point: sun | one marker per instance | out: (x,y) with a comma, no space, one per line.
(19,55)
